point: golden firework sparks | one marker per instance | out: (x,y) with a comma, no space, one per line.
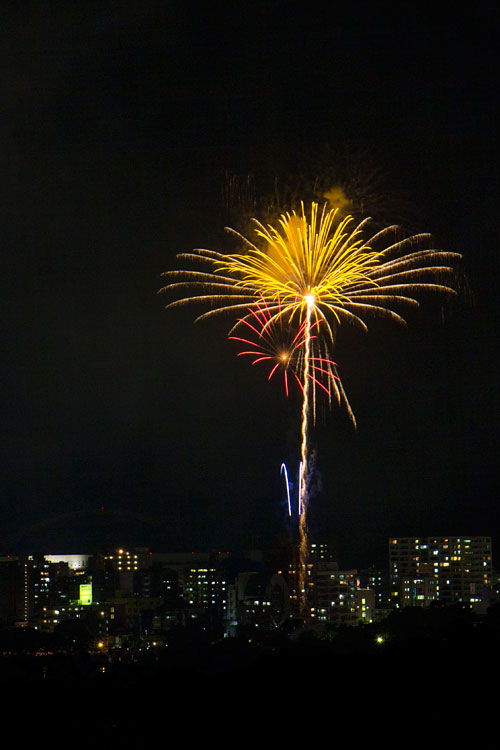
(316,261)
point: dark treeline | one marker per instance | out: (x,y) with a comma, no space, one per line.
(402,663)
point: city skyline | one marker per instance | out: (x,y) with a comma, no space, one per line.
(257,588)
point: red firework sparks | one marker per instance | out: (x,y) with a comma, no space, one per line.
(282,347)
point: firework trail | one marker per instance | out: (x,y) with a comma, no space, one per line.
(281,346)
(288,491)
(301,471)
(304,468)
(315,270)
(283,468)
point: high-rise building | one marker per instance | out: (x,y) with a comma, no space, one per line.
(258,600)
(378,581)
(35,574)
(125,563)
(445,569)
(332,595)
(206,587)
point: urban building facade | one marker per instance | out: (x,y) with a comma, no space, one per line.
(445,569)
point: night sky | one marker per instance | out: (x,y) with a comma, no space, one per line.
(124,423)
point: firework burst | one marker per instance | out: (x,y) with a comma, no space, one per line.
(319,263)
(281,347)
(310,272)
